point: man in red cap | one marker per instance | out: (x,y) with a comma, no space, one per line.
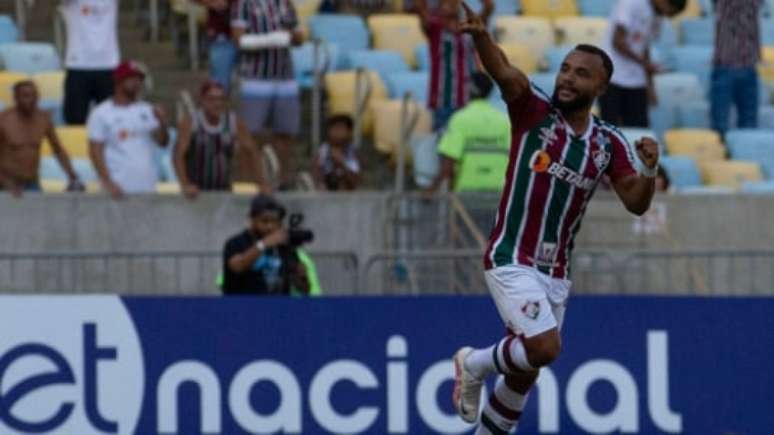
(123,131)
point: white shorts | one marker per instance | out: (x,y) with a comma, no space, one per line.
(529,301)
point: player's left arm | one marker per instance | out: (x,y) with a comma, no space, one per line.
(636,190)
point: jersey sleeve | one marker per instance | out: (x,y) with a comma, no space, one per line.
(527,111)
(623,13)
(622,162)
(97,127)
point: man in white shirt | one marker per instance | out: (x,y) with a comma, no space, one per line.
(633,25)
(123,132)
(92,55)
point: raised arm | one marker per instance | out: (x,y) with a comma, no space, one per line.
(512,82)
(636,191)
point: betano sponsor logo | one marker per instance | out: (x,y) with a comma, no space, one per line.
(541,162)
(77,368)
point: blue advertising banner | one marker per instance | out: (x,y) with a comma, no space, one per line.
(110,365)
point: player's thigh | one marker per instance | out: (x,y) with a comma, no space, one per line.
(255,104)
(521,299)
(286,109)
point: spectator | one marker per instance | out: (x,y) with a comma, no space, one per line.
(452,57)
(737,51)
(122,134)
(474,148)
(364,8)
(92,54)
(336,166)
(206,145)
(269,93)
(222,51)
(22,129)
(633,25)
(259,260)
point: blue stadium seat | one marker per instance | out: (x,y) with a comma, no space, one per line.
(303,61)
(51,170)
(758,187)
(555,56)
(416,82)
(698,31)
(502,7)
(596,8)
(383,62)
(425,157)
(544,81)
(682,171)
(55,108)
(8,30)
(767,31)
(667,36)
(753,145)
(766,117)
(695,114)
(674,89)
(694,59)
(422,52)
(348,32)
(29,57)
(662,118)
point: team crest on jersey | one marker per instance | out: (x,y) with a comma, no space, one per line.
(601,159)
(548,135)
(531,309)
(540,161)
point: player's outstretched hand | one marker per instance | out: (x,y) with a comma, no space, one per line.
(647,149)
(473,23)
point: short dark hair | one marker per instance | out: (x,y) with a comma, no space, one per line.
(593,49)
(20,84)
(481,85)
(679,5)
(341,118)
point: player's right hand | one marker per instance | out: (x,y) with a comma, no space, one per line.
(473,23)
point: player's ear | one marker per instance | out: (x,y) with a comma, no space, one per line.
(602,89)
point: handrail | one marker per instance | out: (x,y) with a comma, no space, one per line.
(362,96)
(153,18)
(408,123)
(318,73)
(188,103)
(59,30)
(193,36)
(21,16)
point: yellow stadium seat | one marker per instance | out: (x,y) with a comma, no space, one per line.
(243,188)
(74,139)
(50,85)
(168,188)
(534,32)
(180,7)
(581,30)
(397,32)
(304,10)
(766,68)
(387,128)
(700,144)
(7,80)
(730,173)
(520,56)
(549,8)
(340,88)
(53,186)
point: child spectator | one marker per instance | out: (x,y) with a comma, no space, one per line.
(336,165)
(452,57)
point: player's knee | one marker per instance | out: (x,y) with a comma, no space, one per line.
(544,352)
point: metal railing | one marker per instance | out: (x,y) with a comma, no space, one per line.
(22,8)
(363,90)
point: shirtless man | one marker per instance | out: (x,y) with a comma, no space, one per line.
(22,129)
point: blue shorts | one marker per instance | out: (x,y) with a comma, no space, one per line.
(271,104)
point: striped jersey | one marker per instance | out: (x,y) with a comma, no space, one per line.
(209,157)
(264,16)
(452,63)
(551,177)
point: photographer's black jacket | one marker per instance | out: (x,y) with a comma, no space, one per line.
(270,275)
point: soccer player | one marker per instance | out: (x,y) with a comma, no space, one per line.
(559,151)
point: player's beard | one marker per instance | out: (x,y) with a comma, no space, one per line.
(578,103)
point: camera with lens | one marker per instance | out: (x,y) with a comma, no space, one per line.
(297,235)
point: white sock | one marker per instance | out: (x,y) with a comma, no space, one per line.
(512,356)
(480,363)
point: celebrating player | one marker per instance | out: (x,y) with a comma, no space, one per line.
(559,151)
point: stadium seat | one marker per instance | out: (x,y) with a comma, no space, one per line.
(730,173)
(544,81)
(753,145)
(766,117)
(692,10)
(502,7)
(29,57)
(416,82)
(8,30)
(348,32)
(50,85)
(303,61)
(682,171)
(696,60)
(596,8)
(766,67)
(520,56)
(387,125)
(74,139)
(698,31)
(51,170)
(673,89)
(340,89)
(168,188)
(554,57)
(306,9)
(424,156)
(694,114)
(535,32)
(699,144)
(549,9)
(383,62)
(422,55)
(667,35)
(758,187)
(767,31)
(398,32)
(7,80)
(707,190)
(581,30)
(662,118)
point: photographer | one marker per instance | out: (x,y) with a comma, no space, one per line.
(264,259)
